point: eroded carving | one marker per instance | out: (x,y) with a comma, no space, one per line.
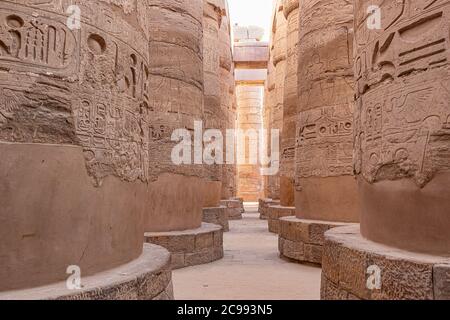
(403,93)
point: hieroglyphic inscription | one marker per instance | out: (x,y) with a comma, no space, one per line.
(403,92)
(325,142)
(89,87)
(325,125)
(36,43)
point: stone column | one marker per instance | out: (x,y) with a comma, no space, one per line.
(250,99)
(74,158)
(279,48)
(282,184)
(179,193)
(176,101)
(271,182)
(218,214)
(290,100)
(250,57)
(401,158)
(213,113)
(326,192)
(227,96)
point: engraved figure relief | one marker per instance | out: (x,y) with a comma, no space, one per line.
(104,94)
(113,129)
(404,133)
(324,142)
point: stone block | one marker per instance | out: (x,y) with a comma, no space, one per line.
(204,241)
(441,276)
(403,275)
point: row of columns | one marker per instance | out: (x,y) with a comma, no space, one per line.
(86,122)
(368,119)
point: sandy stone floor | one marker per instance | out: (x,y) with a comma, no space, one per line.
(251,269)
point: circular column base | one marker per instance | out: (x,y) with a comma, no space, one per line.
(241,204)
(264,205)
(191,247)
(234,209)
(275,214)
(147,278)
(218,215)
(302,240)
(356,268)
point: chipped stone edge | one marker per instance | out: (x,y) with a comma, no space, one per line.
(277,212)
(217,215)
(147,278)
(191,247)
(302,240)
(404,275)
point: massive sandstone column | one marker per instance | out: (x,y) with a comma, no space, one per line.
(271,182)
(326,192)
(290,100)
(282,183)
(277,88)
(219,109)
(226,78)
(213,113)
(74,159)
(179,192)
(402,143)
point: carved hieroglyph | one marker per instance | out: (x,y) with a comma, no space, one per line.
(403,92)
(103,102)
(402,136)
(325,125)
(119,114)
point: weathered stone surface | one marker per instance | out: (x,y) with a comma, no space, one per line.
(241,203)
(147,278)
(325,186)
(191,247)
(402,125)
(275,214)
(86,118)
(404,275)
(291,250)
(251,54)
(217,216)
(290,101)
(228,101)
(74,137)
(234,209)
(441,278)
(263,207)
(307,236)
(229,187)
(214,115)
(275,83)
(175,93)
